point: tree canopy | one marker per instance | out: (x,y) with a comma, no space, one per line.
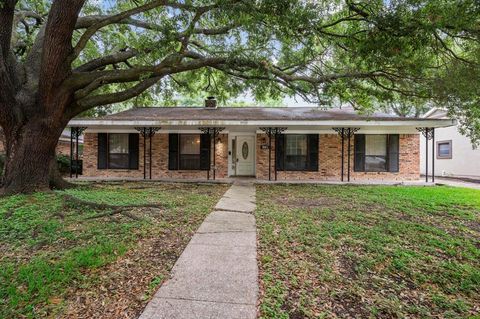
(61,58)
(365,53)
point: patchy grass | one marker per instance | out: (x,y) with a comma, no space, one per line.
(62,255)
(381,252)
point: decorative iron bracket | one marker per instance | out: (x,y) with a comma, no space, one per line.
(272,131)
(346,132)
(212,131)
(427,132)
(147,131)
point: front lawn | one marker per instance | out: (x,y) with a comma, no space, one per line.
(360,252)
(84,253)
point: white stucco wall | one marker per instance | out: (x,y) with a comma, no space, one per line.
(465,161)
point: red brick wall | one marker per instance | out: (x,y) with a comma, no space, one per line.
(329,156)
(329,161)
(159,160)
(63,148)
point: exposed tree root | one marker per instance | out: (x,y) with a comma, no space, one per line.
(103,206)
(122,211)
(114,209)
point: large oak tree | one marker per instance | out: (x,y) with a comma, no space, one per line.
(61,58)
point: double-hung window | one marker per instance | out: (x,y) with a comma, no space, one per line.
(190,151)
(296,152)
(118,150)
(376,153)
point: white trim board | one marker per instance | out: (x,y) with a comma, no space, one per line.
(260,123)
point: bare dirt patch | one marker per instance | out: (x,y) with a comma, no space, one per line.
(125,286)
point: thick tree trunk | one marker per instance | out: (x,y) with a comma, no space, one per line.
(56,180)
(30,155)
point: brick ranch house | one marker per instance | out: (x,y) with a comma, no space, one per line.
(283,143)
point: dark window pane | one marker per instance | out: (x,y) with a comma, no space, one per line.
(444,149)
(375,153)
(294,163)
(118,151)
(376,145)
(190,144)
(118,161)
(295,152)
(118,143)
(190,151)
(374,163)
(296,145)
(190,161)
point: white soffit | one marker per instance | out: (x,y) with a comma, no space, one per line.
(287,123)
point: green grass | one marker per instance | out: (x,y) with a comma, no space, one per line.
(373,251)
(50,247)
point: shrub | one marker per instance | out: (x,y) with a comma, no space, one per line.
(63,162)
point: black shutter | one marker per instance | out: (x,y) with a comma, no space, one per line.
(205,152)
(312,146)
(359,149)
(102,156)
(393,152)
(173,151)
(280,152)
(133,150)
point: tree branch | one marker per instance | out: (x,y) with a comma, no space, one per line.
(450,51)
(117,57)
(111,20)
(104,99)
(89,21)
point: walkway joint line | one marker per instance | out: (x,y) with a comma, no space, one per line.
(217,274)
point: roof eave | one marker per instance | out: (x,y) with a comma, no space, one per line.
(436,123)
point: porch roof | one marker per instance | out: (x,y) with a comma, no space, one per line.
(253,116)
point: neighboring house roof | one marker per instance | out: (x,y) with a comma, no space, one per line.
(247,116)
(436,113)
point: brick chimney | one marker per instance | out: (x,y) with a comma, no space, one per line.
(211,102)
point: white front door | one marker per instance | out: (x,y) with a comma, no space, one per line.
(245,155)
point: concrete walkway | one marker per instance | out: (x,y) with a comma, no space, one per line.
(456,183)
(217,275)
